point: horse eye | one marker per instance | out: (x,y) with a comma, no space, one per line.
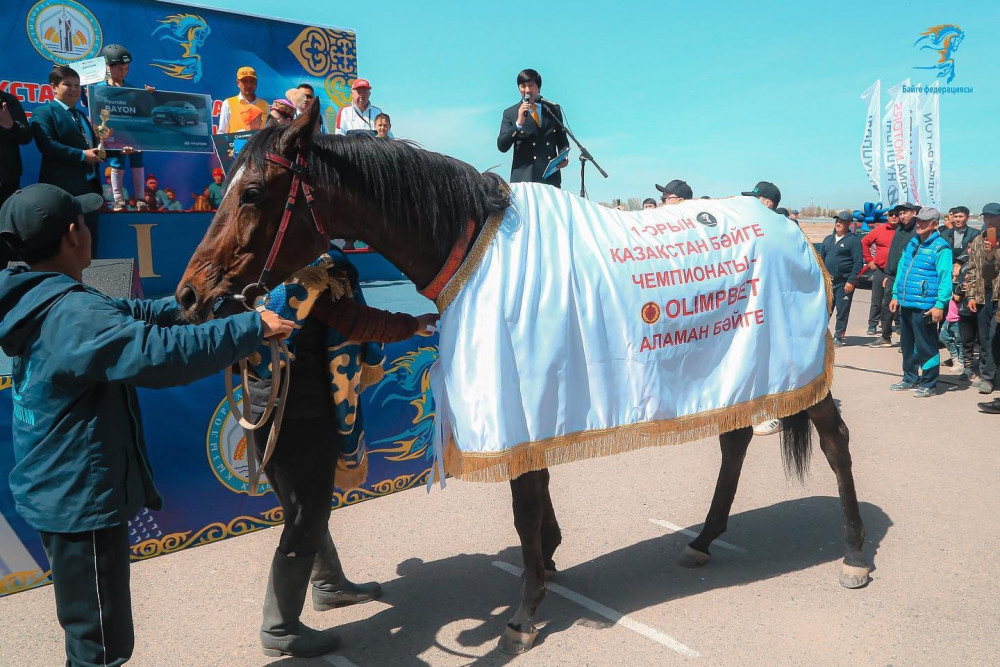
(251,195)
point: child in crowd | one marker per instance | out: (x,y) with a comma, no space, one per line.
(216,189)
(174,204)
(950,334)
(382,126)
(81,470)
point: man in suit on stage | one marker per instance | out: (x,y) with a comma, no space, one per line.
(531,130)
(67,141)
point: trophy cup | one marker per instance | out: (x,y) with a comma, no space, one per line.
(103,132)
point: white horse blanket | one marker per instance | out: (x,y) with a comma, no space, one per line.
(573,331)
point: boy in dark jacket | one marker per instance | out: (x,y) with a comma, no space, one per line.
(842,253)
(81,469)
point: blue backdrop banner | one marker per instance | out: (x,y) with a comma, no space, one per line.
(174,48)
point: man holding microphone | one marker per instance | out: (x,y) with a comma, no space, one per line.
(536,137)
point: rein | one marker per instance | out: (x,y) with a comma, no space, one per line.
(281,375)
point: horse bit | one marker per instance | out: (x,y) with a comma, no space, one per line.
(281,376)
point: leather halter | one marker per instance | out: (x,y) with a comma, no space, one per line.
(299,171)
(455,258)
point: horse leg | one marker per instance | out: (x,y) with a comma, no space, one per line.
(833,440)
(734,449)
(551,535)
(529,511)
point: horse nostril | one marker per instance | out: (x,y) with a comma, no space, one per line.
(187,297)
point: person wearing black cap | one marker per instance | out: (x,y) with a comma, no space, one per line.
(674,192)
(983,280)
(80,465)
(841,252)
(768,194)
(905,231)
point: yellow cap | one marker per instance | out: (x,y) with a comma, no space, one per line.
(245,72)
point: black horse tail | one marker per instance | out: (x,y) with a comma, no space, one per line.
(796,444)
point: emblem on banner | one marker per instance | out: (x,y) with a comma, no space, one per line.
(64,31)
(943,40)
(228,449)
(707,219)
(189,32)
(651,313)
(332,55)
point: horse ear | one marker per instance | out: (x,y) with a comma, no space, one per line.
(299,134)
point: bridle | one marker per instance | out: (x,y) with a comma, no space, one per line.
(256,296)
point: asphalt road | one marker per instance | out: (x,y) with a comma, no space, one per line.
(926,472)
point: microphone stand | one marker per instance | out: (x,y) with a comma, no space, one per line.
(585,155)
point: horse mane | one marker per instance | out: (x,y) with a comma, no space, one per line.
(412,188)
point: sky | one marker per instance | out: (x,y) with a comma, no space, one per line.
(720,94)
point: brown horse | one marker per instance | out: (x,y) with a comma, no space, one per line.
(414,206)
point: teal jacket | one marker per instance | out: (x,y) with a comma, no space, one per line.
(80,457)
(923,279)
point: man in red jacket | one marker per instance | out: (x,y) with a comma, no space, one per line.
(875,250)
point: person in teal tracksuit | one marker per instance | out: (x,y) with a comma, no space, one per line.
(81,469)
(920,295)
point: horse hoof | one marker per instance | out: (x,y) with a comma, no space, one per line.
(693,558)
(852,576)
(515,642)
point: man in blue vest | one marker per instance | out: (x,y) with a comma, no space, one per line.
(920,295)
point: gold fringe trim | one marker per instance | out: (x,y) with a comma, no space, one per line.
(470,264)
(529,456)
(347,479)
(371,375)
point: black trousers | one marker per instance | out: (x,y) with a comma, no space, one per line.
(90,576)
(918,340)
(988,343)
(887,315)
(842,301)
(301,472)
(875,311)
(968,331)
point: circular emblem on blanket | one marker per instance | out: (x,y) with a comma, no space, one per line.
(228,449)
(64,31)
(650,313)
(706,219)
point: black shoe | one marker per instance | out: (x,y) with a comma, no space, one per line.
(990,408)
(348,593)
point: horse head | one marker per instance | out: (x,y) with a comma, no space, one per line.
(245,230)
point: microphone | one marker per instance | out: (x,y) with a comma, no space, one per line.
(527,98)
(539,98)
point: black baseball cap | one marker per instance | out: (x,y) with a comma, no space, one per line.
(991,209)
(765,189)
(905,206)
(38,215)
(677,187)
(844,216)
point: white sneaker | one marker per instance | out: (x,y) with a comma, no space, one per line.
(770,427)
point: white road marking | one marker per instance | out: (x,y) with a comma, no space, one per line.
(340,661)
(607,612)
(677,529)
